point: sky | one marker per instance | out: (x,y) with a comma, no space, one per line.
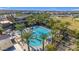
(42,8)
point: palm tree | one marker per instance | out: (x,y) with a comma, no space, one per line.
(64,31)
(31,20)
(56,28)
(65,24)
(44,37)
(11,18)
(54,24)
(45,17)
(64,27)
(1,30)
(51,47)
(20,27)
(77,34)
(26,36)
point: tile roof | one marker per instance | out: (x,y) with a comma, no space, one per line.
(3,37)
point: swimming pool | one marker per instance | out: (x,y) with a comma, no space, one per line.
(35,39)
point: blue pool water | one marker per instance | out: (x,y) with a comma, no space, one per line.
(35,39)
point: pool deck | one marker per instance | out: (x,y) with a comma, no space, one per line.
(39,46)
(18,47)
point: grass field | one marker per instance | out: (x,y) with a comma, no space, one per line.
(73,21)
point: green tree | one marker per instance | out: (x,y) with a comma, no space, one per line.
(26,36)
(20,27)
(1,30)
(55,25)
(11,18)
(65,24)
(77,34)
(31,20)
(44,37)
(51,47)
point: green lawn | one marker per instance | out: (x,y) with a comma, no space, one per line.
(74,22)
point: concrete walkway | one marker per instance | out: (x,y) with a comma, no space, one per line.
(18,47)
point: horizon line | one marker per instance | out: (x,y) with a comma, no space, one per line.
(42,8)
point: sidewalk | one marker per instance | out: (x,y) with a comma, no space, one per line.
(18,47)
